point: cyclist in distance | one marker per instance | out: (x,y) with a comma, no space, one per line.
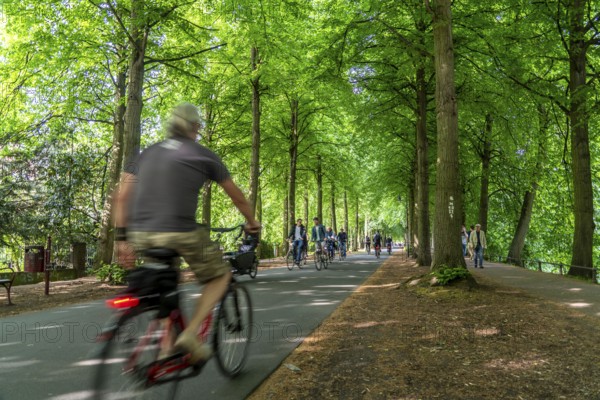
(297,235)
(317,234)
(377,240)
(388,243)
(155,206)
(330,236)
(368,244)
(343,239)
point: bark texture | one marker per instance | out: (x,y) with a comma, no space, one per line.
(448,205)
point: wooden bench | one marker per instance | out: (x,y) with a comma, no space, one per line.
(7,283)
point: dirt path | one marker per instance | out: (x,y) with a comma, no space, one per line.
(393,341)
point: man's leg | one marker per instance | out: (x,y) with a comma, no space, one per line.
(206,261)
(299,251)
(212,292)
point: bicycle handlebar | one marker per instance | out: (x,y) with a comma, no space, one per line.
(223,230)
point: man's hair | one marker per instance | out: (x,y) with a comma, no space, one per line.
(183,117)
(315,218)
(472,226)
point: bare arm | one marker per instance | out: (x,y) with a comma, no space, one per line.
(239,200)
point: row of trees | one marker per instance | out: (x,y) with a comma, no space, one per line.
(479,115)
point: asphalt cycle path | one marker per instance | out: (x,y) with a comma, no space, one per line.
(50,354)
(572,293)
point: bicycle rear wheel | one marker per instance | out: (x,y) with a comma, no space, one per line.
(233,330)
(131,346)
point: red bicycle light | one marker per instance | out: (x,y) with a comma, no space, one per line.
(122,302)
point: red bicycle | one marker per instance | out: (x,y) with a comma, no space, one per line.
(130,363)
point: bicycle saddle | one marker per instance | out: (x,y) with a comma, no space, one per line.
(161,254)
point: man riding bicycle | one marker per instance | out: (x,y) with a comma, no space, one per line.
(297,236)
(377,240)
(368,244)
(331,240)
(317,235)
(156,206)
(343,239)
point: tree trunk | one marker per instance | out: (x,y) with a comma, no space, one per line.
(306,223)
(319,190)
(411,220)
(79,256)
(285,225)
(333,216)
(448,203)
(139,37)
(518,242)
(207,188)
(293,152)
(255,161)
(486,157)
(357,236)
(206,203)
(346,212)
(583,236)
(415,209)
(259,219)
(104,252)
(424,255)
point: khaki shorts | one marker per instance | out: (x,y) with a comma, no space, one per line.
(203,256)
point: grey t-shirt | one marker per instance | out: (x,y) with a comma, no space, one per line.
(169,176)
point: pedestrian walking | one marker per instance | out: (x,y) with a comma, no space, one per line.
(479,244)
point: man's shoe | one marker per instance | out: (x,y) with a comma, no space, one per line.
(481,267)
(188,343)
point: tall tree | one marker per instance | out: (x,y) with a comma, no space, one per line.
(583,235)
(486,157)
(518,242)
(255,161)
(448,205)
(422,178)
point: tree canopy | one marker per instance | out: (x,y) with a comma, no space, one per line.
(333,102)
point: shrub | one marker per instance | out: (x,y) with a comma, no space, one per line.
(113,273)
(445,274)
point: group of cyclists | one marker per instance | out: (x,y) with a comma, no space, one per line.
(325,239)
(376,241)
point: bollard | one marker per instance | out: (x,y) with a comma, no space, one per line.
(539,265)
(560,268)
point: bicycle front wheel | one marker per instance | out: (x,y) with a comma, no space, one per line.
(131,346)
(318,261)
(233,330)
(254,267)
(289,260)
